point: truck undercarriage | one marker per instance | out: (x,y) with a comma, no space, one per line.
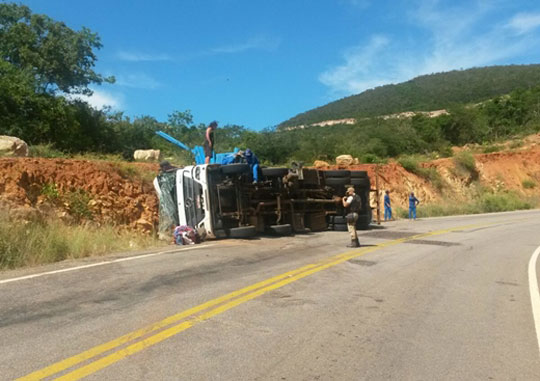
(223,201)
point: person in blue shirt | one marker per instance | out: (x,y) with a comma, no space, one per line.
(387,206)
(253,162)
(413,201)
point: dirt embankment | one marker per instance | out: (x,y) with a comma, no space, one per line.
(93,191)
(499,171)
(122,194)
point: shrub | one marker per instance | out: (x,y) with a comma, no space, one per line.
(50,191)
(46,151)
(528,184)
(410,163)
(491,148)
(77,202)
(465,162)
(516,144)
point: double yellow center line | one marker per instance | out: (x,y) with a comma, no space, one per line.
(172,325)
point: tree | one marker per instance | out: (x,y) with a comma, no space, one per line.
(58,57)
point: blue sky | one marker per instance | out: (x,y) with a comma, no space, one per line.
(257,63)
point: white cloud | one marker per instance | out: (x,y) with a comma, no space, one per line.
(261,43)
(141,57)
(100,99)
(137,81)
(457,37)
(524,22)
(353,75)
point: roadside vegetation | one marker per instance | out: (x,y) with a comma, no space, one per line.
(485,202)
(39,242)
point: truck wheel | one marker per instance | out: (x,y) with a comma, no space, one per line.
(340,220)
(359,174)
(274,172)
(219,234)
(340,227)
(236,168)
(337,173)
(337,181)
(361,182)
(280,229)
(242,232)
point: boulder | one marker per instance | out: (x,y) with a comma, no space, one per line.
(343,161)
(147,154)
(321,164)
(12,146)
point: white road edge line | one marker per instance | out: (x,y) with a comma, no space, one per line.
(125,259)
(535,294)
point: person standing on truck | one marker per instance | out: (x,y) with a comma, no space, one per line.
(387,206)
(352,202)
(209,142)
(413,201)
(253,162)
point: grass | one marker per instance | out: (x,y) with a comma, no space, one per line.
(492,148)
(528,184)
(45,150)
(484,203)
(40,242)
(132,172)
(412,164)
(465,164)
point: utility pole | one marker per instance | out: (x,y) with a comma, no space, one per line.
(377,195)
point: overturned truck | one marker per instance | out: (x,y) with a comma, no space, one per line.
(221,201)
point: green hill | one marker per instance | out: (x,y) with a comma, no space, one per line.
(426,93)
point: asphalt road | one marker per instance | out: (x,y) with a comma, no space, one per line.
(433,299)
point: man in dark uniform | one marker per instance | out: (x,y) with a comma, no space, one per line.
(352,202)
(209,142)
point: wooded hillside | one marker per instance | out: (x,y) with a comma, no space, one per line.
(426,93)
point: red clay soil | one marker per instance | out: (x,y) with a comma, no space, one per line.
(114,198)
(497,171)
(130,202)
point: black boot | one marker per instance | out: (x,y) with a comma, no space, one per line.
(354,243)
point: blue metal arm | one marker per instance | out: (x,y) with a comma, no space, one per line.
(173,141)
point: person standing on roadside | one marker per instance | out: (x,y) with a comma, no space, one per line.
(352,202)
(387,206)
(209,142)
(413,201)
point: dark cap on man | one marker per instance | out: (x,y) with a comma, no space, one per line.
(213,124)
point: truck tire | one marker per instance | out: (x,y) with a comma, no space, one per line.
(359,174)
(337,181)
(236,168)
(363,222)
(361,182)
(340,220)
(341,227)
(220,233)
(285,229)
(337,173)
(242,232)
(274,172)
